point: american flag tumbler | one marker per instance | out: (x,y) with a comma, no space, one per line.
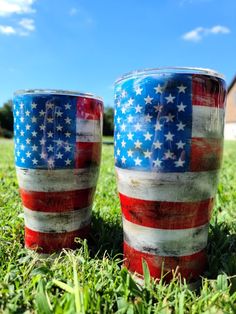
(169,127)
(57,155)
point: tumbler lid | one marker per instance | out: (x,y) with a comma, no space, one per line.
(55,92)
(168,70)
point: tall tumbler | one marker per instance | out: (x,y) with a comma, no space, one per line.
(57,155)
(169,127)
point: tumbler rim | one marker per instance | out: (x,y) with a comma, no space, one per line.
(49,91)
(171,69)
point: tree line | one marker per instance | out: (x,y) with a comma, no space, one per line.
(6,120)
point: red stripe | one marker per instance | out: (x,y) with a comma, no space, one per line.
(53,242)
(57,201)
(89,108)
(87,154)
(166,215)
(206,154)
(189,267)
(208,91)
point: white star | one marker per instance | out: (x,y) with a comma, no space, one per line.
(138,109)
(17,126)
(42,141)
(27,127)
(130,102)
(18,140)
(59,155)
(67,134)
(17,113)
(157,144)
(137,161)
(123,93)
(181,107)
(179,163)
(138,127)
(170,98)
(180,144)
(28,140)
(130,119)
(68,148)
(168,154)
(42,127)
(34,148)
(118,119)
(21,105)
(158,108)
(50,134)
(148,100)
(148,117)
(123,127)
(33,105)
(130,136)
(59,142)
(181,88)
(41,113)
(138,90)
(68,120)
(22,119)
(50,120)
(170,118)
(148,136)
(23,160)
(50,148)
(28,154)
(18,153)
(50,105)
(59,127)
(157,162)
(68,162)
(67,106)
(169,136)
(130,153)
(123,159)
(34,119)
(22,147)
(123,109)
(137,144)
(147,154)
(118,152)
(158,126)
(50,162)
(34,133)
(27,113)
(180,126)
(158,89)
(43,155)
(118,135)
(59,113)
(123,143)
(35,161)
(22,133)
(118,103)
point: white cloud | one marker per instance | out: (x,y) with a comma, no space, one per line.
(73,11)
(9,7)
(7,30)
(27,24)
(198,33)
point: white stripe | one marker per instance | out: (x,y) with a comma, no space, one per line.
(170,187)
(207,122)
(88,130)
(165,242)
(57,222)
(57,180)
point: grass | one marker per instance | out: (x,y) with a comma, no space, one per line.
(91,279)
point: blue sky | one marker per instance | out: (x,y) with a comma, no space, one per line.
(84,45)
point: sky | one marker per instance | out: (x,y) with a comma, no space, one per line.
(85,45)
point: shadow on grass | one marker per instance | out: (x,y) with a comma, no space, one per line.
(105,237)
(221,251)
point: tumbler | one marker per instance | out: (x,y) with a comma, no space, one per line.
(58,138)
(169,125)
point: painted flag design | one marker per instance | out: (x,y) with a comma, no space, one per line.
(168,152)
(57,156)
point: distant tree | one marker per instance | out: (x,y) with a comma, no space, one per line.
(6,119)
(108,124)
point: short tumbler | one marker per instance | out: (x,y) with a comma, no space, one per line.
(169,126)
(57,155)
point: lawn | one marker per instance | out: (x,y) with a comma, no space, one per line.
(91,279)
